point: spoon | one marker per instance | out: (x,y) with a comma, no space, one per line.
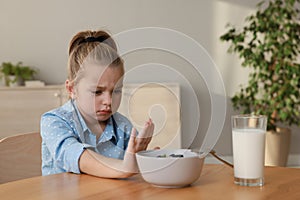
(213,153)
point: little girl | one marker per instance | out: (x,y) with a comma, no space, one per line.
(87,134)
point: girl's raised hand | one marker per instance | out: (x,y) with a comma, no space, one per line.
(140,142)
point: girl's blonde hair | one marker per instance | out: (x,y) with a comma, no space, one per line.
(92,46)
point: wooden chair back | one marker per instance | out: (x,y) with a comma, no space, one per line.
(20,157)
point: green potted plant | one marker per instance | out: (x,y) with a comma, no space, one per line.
(16,74)
(10,73)
(269,44)
(27,73)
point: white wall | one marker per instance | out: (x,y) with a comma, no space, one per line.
(37,32)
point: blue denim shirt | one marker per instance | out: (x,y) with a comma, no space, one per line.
(65,135)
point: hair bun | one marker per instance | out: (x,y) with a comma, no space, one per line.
(91,36)
(100,39)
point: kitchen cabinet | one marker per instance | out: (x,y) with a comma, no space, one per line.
(22,107)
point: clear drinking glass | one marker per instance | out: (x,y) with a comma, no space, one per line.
(248,142)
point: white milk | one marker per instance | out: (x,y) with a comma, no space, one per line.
(248,153)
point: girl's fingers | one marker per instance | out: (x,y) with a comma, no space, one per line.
(140,142)
(151,131)
(145,136)
(131,143)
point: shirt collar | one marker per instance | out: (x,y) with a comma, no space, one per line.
(109,131)
(80,118)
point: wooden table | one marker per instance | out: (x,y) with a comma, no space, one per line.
(216,182)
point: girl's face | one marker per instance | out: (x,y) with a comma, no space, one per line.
(98,93)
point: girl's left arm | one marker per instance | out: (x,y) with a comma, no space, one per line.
(95,164)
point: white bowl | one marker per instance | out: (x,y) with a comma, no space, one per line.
(170,172)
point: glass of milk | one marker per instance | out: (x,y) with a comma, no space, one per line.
(248,142)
